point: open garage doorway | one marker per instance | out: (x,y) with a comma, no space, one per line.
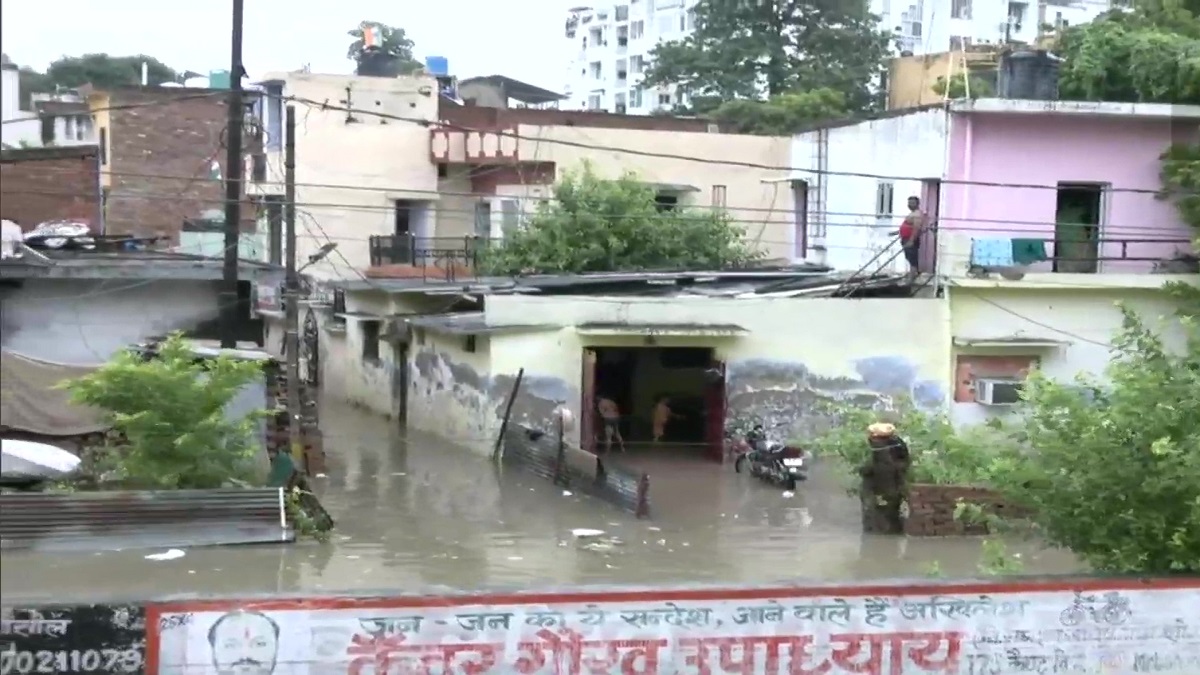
(636,379)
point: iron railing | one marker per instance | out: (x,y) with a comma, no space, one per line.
(544,455)
(84,521)
(407,249)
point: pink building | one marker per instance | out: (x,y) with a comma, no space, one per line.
(1070,186)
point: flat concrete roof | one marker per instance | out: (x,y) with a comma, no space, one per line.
(1010,106)
(128,265)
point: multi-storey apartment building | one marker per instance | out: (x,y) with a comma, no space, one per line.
(610,44)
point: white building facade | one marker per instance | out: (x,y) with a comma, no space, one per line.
(611,44)
(611,47)
(58,119)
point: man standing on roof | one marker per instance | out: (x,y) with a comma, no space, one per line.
(911,231)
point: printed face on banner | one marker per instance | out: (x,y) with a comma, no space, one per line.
(965,633)
(244,643)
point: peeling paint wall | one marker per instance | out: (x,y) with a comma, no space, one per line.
(450,390)
(799,351)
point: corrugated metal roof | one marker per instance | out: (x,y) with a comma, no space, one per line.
(91,521)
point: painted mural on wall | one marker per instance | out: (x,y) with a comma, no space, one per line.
(103,639)
(469,404)
(967,629)
(790,398)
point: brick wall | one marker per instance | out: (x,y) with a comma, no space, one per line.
(160,155)
(40,184)
(931,509)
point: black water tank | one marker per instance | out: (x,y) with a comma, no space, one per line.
(377,63)
(1028,75)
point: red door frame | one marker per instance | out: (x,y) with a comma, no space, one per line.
(715,412)
(587,404)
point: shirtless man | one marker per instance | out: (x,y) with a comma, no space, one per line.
(661,415)
(610,417)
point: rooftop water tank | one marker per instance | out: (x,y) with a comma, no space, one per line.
(218,79)
(377,63)
(437,66)
(1028,75)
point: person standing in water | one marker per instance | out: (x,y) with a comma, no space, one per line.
(660,417)
(610,418)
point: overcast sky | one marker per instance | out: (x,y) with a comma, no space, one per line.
(521,39)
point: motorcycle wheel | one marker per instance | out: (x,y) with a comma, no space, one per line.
(739,464)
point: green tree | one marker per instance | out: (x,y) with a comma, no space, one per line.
(780,115)
(393,41)
(957,87)
(1114,468)
(170,411)
(102,71)
(599,225)
(756,50)
(1150,54)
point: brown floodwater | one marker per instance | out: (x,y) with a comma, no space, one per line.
(418,513)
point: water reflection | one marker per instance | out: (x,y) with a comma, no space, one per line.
(414,513)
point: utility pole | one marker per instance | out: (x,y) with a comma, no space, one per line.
(292,294)
(230,309)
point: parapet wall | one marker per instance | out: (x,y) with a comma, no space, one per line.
(891,628)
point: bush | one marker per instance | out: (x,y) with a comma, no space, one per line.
(170,413)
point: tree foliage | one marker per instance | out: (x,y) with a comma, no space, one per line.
(956,87)
(1149,54)
(102,71)
(758,50)
(1114,468)
(171,412)
(393,41)
(780,115)
(598,225)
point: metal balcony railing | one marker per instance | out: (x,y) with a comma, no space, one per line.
(1085,255)
(407,249)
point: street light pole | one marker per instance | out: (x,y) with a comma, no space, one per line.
(230,307)
(292,294)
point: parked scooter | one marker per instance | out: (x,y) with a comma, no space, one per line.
(770,460)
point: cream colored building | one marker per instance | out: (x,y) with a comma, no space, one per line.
(392,159)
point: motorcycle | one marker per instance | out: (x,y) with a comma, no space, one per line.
(770,460)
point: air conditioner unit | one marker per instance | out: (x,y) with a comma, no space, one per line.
(998,391)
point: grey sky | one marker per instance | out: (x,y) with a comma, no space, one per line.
(521,39)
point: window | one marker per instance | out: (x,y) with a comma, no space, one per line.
(960,9)
(637,30)
(274,121)
(884,197)
(664,98)
(623,36)
(370,339)
(718,196)
(483,218)
(339,309)
(80,127)
(667,23)
(691,20)
(619,104)
(1079,214)
(597,69)
(1016,14)
(622,12)
(470,344)
(915,31)
(637,64)
(959,43)
(666,202)
(103,143)
(635,98)
(594,102)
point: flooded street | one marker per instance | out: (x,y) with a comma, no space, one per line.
(415,513)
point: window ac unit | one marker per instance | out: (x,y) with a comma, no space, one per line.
(998,392)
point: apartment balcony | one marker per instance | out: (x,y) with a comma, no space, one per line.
(409,256)
(1118,261)
(457,146)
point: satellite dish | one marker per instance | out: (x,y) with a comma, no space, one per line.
(1011,273)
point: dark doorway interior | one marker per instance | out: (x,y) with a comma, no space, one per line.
(636,378)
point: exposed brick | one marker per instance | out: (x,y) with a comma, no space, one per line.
(931,509)
(40,184)
(160,158)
